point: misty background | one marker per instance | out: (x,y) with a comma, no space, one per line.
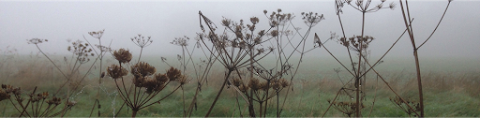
(455,43)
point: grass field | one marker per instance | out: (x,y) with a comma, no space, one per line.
(448,93)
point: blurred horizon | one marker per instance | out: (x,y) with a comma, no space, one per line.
(59,21)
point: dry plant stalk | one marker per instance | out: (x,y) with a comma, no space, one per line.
(81,53)
(248,47)
(34,106)
(408,24)
(362,42)
(146,83)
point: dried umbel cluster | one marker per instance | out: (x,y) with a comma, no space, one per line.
(34,103)
(312,19)
(181,41)
(116,71)
(346,107)
(357,42)
(142,69)
(362,6)
(403,105)
(147,83)
(141,41)
(36,41)
(159,81)
(122,55)
(4,95)
(7,89)
(255,84)
(279,84)
(278,18)
(97,34)
(82,50)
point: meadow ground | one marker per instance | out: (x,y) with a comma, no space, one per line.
(447,93)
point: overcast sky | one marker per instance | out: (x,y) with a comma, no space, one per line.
(57,21)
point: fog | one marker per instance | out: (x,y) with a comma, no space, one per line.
(59,21)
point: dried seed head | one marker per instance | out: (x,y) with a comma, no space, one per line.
(264,86)
(116,72)
(55,101)
(97,34)
(36,41)
(254,83)
(174,74)
(141,41)
(276,84)
(274,33)
(150,85)
(181,41)
(226,22)
(243,88)
(261,33)
(139,81)
(122,55)
(161,77)
(284,83)
(254,20)
(142,69)
(44,95)
(4,95)
(237,82)
(36,98)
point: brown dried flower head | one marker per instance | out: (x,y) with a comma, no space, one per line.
(97,34)
(254,20)
(161,77)
(276,84)
(279,83)
(36,41)
(82,50)
(116,71)
(3,94)
(10,89)
(122,55)
(174,74)
(254,83)
(243,88)
(264,86)
(44,95)
(181,41)
(237,82)
(36,98)
(151,85)
(142,69)
(55,101)
(141,41)
(139,81)
(274,33)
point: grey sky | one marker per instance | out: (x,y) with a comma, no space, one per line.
(457,36)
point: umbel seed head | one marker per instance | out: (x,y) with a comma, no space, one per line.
(173,74)
(142,69)
(4,95)
(161,77)
(116,71)
(122,55)
(254,84)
